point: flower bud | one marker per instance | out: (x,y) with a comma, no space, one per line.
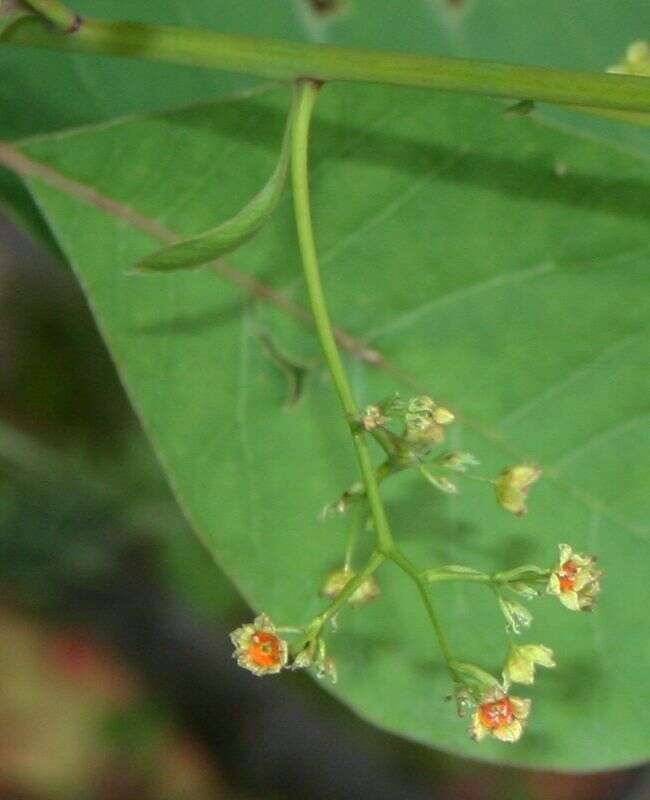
(517,616)
(338,580)
(636,61)
(522,660)
(574,580)
(425,421)
(372,418)
(512,487)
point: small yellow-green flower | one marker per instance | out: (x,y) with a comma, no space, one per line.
(575,580)
(512,487)
(338,580)
(258,648)
(501,716)
(522,660)
(636,61)
(425,421)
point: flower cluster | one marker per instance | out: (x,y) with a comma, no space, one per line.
(260,649)
(574,579)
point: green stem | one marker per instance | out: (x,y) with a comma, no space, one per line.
(56,13)
(307,92)
(357,519)
(432,577)
(386,548)
(410,569)
(283,60)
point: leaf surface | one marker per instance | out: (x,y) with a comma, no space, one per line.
(66,90)
(499,264)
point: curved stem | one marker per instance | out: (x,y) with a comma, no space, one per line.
(282,60)
(411,570)
(357,522)
(307,93)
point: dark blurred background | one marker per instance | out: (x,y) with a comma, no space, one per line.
(116,676)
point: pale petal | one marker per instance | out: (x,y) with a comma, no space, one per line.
(521,706)
(553,586)
(570,600)
(582,579)
(263,623)
(477,729)
(509,733)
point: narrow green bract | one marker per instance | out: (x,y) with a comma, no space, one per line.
(197,251)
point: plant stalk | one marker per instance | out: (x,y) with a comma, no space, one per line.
(397,557)
(308,90)
(289,61)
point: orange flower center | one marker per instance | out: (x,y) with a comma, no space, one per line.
(497,714)
(567,575)
(265,649)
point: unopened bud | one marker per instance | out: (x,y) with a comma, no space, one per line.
(373,418)
(367,591)
(512,487)
(636,60)
(425,421)
(522,660)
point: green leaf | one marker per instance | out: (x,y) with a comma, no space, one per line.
(513,290)
(71,90)
(231,234)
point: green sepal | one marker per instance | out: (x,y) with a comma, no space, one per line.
(529,573)
(452,572)
(476,680)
